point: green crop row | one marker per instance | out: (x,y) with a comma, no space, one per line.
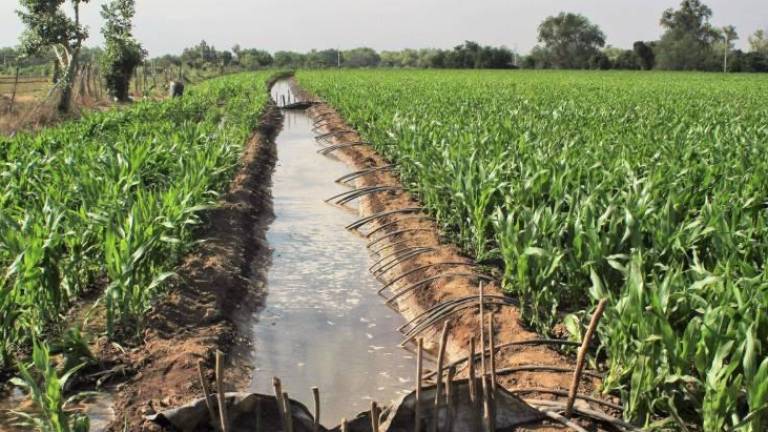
(109,202)
(650,190)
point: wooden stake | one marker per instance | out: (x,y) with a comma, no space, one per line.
(438,387)
(344,425)
(419,364)
(288,412)
(206,393)
(449,396)
(374,417)
(277,386)
(220,391)
(316,398)
(471,360)
(488,415)
(581,356)
(492,341)
(483,369)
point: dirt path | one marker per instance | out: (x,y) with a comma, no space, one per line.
(217,281)
(416,230)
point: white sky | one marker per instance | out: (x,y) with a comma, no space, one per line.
(167,26)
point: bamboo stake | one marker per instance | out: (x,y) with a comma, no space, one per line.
(483,369)
(206,393)
(316,398)
(374,417)
(488,414)
(492,341)
(279,398)
(344,425)
(449,396)
(419,364)
(438,387)
(220,391)
(582,354)
(288,412)
(471,360)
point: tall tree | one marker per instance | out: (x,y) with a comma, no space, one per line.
(758,42)
(687,41)
(570,40)
(47,26)
(122,53)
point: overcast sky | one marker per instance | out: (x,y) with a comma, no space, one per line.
(167,26)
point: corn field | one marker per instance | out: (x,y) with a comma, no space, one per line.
(110,203)
(648,189)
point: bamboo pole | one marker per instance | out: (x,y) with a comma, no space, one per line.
(277,386)
(206,393)
(220,391)
(483,370)
(419,365)
(449,396)
(582,355)
(374,417)
(492,341)
(288,412)
(488,415)
(438,387)
(316,398)
(472,380)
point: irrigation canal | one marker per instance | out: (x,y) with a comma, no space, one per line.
(323,324)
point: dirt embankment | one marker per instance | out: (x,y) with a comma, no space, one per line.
(401,231)
(218,280)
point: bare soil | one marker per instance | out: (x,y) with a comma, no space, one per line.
(218,280)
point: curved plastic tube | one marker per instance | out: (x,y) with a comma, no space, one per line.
(360,222)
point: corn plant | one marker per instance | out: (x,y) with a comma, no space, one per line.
(645,188)
(111,202)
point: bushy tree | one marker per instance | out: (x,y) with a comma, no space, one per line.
(47,26)
(360,57)
(570,41)
(645,55)
(122,53)
(288,59)
(758,42)
(687,41)
(253,59)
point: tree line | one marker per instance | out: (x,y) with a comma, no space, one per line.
(566,41)
(53,42)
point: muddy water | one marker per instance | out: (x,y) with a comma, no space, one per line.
(323,324)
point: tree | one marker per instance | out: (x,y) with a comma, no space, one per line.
(645,55)
(360,57)
(758,42)
(570,40)
(47,26)
(253,59)
(122,53)
(687,41)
